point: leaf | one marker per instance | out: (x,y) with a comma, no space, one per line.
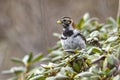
(95,77)
(13,78)
(110,59)
(57,58)
(93,69)
(45,59)
(61,77)
(106,26)
(112,21)
(15,70)
(105,63)
(37,58)
(18,70)
(84,74)
(25,60)
(107,71)
(55,53)
(86,16)
(118,20)
(112,39)
(7,72)
(108,47)
(76,67)
(112,71)
(117,77)
(80,24)
(57,35)
(30,76)
(90,21)
(17,60)
(66,70)
(50,78)
(95,50)
(30,57)
(94,34)
(103,36)
(38,77)
(118,53)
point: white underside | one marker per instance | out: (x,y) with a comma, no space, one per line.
(73,42)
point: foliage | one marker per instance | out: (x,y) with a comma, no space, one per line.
(26,66)
(100,61)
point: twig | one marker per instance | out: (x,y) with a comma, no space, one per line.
(95,61)
(99,59)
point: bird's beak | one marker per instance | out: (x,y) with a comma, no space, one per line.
(59,22)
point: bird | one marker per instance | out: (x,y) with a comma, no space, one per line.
(71,37)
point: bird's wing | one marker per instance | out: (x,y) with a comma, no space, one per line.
(83,37)
(80,34)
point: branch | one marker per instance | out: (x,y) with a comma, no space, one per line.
(99,59)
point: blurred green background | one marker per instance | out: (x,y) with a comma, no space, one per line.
(27,25)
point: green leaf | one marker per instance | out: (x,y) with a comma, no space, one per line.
(57,35)
(66,70)
(15,70)
(30,57)
(117,77)
(95,50)
(84,74)
(37,58)
(95,77)
(107,71)
(30,76)
(8,72)
(61,77)
(110,59)
(57,58)
(90,22)
(94,34)
(17,60)
(103,36)
(112,71)
(50,78)
(105,63)
(55,53)
(80,24)
(76,67)
(45,59)
(118,52)
(112,21)
(38,77)
(93,69)
(112,39)
(118,21)
(18,70)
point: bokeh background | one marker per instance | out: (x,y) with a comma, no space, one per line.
(27,25)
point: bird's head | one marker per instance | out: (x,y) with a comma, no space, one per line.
(66,22)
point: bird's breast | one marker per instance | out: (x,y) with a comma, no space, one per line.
(72,42)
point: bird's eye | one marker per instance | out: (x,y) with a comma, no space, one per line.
(69,21)
(64,20)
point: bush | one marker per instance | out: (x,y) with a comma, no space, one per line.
(100,61)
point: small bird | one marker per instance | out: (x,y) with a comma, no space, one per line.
(71,37)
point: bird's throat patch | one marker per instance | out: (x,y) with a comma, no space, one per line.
(68,33)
